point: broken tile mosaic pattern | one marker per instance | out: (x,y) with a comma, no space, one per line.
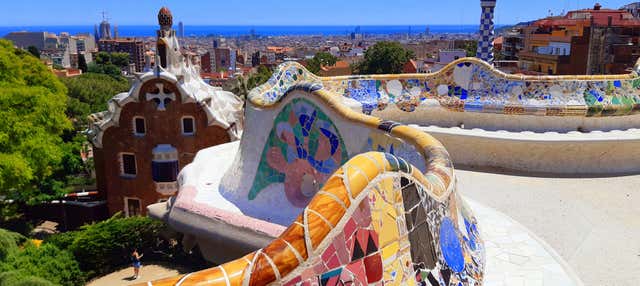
(471,85)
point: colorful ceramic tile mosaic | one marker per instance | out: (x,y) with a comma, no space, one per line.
(470,85)
(387,217)
(373,223)
(303,149)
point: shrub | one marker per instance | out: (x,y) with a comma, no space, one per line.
(9,242)
(18,278)
(33,265)
(102,247)
(62,240)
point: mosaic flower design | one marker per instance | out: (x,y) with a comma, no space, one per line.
(303,150)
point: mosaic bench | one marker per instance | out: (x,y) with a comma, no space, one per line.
(323,195)
(471,93)
(486,118)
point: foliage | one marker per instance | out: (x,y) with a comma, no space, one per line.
(497,55)
(121,60)
(32,107)
(34,51)
(259,78)
(472,48)
(321,59)
(108,69)
(241,86)
(18,278)
(9,242)
(89,93)
(237,86)
(109,63)
(384,58)
(47,262)
(103,246)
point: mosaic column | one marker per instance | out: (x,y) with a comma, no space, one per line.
(485,45)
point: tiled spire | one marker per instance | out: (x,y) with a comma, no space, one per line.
(487,34)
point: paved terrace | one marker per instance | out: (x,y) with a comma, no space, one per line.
(592,223)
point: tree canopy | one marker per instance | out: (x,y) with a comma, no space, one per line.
(109,63)
(321,59)
(384,58)
(89,93)
(241,86)
(472,48)
(32,106)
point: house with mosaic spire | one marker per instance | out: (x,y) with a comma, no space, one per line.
(150,132)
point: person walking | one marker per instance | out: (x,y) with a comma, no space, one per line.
(135,258)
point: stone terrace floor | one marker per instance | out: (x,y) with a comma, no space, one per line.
(592,223)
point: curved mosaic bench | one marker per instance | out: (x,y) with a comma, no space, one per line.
(490,114)
(354,231)
(471,87)
(390,217)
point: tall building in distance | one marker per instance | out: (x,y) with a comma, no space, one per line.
(487,34)
(25,39)
(180,30)
(131,46)
(115,31)
(105,28)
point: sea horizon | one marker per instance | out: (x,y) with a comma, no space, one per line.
(261,30)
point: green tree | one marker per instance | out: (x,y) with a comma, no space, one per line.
(82,63)
(34,51)
(89,93)
(472,48)
(259,78)
(241,86)
(321,59)
(46,262)
(32,108)
(120,60)
(383,58)
(237,86)
(109,63)
(106,245)
(19,278)
(103,58)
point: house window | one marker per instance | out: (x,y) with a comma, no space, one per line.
(164,172)
(139,126)
(188,125)
(128,165)
(132,207)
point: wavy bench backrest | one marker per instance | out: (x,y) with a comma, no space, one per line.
(471,85)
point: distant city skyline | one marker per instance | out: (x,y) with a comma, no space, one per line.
(269,12)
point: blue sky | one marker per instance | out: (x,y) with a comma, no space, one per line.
(282,12)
